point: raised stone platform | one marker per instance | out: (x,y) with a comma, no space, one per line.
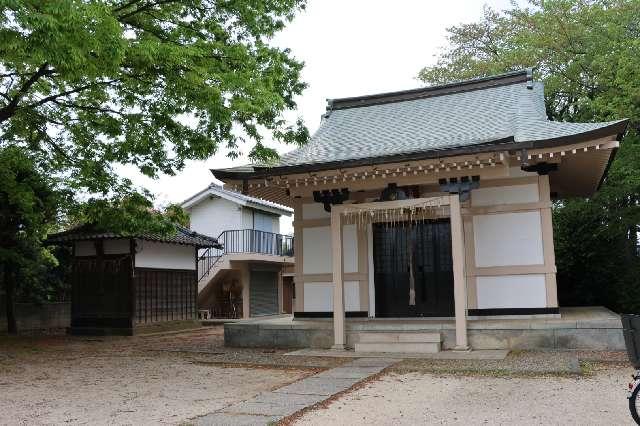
(589,328)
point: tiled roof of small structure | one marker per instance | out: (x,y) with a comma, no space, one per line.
(237,197)
(463,117)
(182,236)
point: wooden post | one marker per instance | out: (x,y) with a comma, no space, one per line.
(459,279)
(338,282)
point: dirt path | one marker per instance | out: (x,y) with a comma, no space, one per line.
(417,398)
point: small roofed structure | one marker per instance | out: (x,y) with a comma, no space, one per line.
(126,284)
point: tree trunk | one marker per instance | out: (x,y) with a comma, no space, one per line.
(9,277)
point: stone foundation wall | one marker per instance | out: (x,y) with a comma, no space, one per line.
(31,316)
(596,335)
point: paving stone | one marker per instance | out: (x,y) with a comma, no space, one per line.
(319,386)
(263,408)
(285,399)
(270,407)
(223,419)
(372,362)
(349,372)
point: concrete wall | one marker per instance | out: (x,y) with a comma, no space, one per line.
(584,335)
(31,316)
(151,254)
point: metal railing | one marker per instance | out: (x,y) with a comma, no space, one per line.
(245,241)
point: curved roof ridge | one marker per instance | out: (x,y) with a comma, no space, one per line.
(512,77)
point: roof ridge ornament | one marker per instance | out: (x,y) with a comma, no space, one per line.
(530,78)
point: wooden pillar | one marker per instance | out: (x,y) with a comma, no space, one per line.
(547,241)
(338,279)
(459,281)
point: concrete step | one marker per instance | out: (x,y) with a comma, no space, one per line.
(399,347)
(398,337)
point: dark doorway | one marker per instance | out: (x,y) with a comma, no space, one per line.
(413,269)
(287,295)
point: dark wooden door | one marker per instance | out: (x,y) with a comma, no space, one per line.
(287,295)
(413,269)
(101,292)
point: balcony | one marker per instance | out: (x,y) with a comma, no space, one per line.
(245,241)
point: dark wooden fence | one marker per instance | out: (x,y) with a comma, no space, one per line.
(164,295)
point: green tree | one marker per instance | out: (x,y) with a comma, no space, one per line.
(87,85)
(29,205)
(587,53)
(152,83)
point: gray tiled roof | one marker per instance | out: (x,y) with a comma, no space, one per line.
(182,236)
(434,121)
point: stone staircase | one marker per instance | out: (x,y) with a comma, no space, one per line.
(398,342)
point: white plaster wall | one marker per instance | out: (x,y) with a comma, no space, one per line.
(505,195)
(116,246)
(318,296)
(164,256)
(350,248)
(212,216)
(85,248)
(317,253)
(508,239)
(314,211)
(351,296)
(511,291)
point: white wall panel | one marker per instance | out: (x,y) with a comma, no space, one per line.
(318,296)
(511,291)
(351,296)
(505,195)
(212,216)
(350,248)
(508,239)
(164,256)
(316,250)
(314,211)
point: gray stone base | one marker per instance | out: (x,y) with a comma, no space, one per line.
(578,328)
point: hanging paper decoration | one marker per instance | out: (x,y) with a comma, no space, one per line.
(410,211)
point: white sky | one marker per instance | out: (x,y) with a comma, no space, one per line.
(350,48)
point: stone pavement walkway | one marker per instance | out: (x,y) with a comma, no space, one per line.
(270,407)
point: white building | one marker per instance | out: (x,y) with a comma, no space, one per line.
(248,277)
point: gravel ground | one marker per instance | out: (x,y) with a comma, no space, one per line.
(427,398)
(134,380)
(520,363)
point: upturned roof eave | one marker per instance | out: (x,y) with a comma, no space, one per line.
(616,129)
